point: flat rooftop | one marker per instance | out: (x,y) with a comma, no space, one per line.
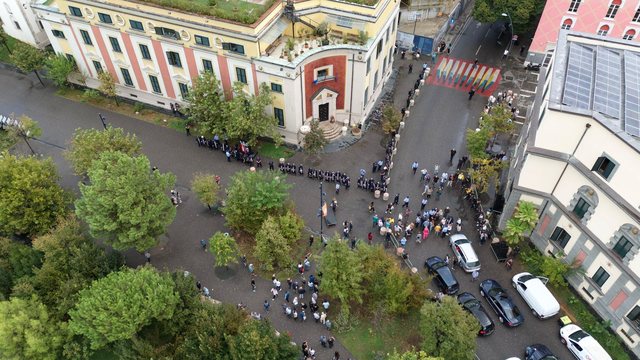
(242,11)
(601,75)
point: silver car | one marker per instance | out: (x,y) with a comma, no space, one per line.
(463,251)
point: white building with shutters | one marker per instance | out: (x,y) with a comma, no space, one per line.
(578,160)
(19,21)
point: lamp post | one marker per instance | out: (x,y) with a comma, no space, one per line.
(321,213)
(510,33)
(102,118)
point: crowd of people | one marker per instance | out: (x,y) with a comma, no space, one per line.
(241,151)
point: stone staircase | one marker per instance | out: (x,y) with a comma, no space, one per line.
(331,131)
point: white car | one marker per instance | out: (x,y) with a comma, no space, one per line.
(582,345)
(536,295)
(463,251)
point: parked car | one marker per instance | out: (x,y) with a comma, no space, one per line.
(464,253)
(538,352)
(582,345)
(443,275)
(508,313)
(473,305)
(536,295)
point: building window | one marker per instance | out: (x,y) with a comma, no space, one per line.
(136,25)
(629,35)
(368,65)
(75,11)
(604,30)
(622,247)
(115,45)
(634,316)
(322,74)
(375,81)
(98,66)
(144,51)
(72,59)
(378,49)
(600,277)
(636,16)
(58,34)
(184,90)
(166,32)
(604,166)
(575,4)
(613,8)
(566,24)
(276,87)
(581,208)
(279,114)
(241,75)
(155,85)
(366,96)
(384,65)
(17,25)
(202,40)
(86,37)
(560,236)
(174,59)
(234,48)
(126,76)
(207,65)
(104,18)
(386,36)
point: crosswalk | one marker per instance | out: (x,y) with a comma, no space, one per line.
(463,75)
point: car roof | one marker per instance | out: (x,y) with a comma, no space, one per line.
(456,237)
(536,286)
(434,259)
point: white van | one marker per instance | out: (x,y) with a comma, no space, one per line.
(582,345)
(536,295)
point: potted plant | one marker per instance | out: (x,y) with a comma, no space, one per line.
(363,37)
(290,44)
(356,131)
(290,57)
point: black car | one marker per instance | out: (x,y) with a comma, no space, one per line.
(443,275)
(538,352)
(473,305)
(502,304)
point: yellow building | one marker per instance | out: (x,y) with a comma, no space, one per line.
(155,51)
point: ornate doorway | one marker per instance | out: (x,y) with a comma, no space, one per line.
(323,112)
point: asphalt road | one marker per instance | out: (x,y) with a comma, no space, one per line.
(437,123)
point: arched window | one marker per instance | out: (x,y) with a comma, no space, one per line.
(629,35)
(566,24)
(604,30)
(584,203)
(625,242)
(613,8)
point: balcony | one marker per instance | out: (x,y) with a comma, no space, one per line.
(292,50)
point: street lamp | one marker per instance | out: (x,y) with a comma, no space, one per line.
(102,118)
(511,33)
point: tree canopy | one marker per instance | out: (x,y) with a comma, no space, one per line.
(30,198)
(28,332)
(252,196)
(256,340)
(117,306)
(272,247)
(206,188)
(108,85)
(126,203)
(314,140)
(522,221)
(17,261)
(341,273)
(522,12)
(28,58)
(448,330)
(59,67)
(86,145)
(207,107)
(224,247)
(247,117)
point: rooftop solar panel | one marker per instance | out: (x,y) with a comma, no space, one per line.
(579,77)
(607,97)
(632,93)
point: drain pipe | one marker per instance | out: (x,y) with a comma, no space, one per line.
(566,165)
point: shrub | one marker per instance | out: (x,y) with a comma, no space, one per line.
(91,95)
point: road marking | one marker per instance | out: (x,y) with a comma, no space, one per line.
(528,91)
(487,34)
(519,122)
(477,51)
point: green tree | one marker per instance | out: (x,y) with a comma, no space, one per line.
(272,248)
(28,58)
(341,273)
(17,261)
(207,108)
(71,262)
(448,330)
(117,306)
(522,13)
(59,67)
(252,197)
(290,225)
(86,145)
(206,188)
(224,248)
(126,203)
(257,340)
(477,141)
(28,332)
(513,232)
(412,355)
(555,270)
(247,117)
(498,121)
(27,129)
(390,119)
(314,140)
(30,198)
(484,171)
(527,214)
(108,85)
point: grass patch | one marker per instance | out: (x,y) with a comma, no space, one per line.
(367,342)
(4,53)
(135,111)
(235,10)
(270,150)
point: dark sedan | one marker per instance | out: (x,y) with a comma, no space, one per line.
(442,275)
(472,305)
(538,352)
(508,313)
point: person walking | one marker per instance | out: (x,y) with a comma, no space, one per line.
(203,244)
(311,241)
(337,188)
(253,285)
(471,93)
(452,153)
(274,293)
(414,167)
(474,275)
(147,255)
(370,237)
(405,202)
(396,199)
(410,68)
(266,305)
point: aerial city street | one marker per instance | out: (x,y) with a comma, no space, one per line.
(319,179)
